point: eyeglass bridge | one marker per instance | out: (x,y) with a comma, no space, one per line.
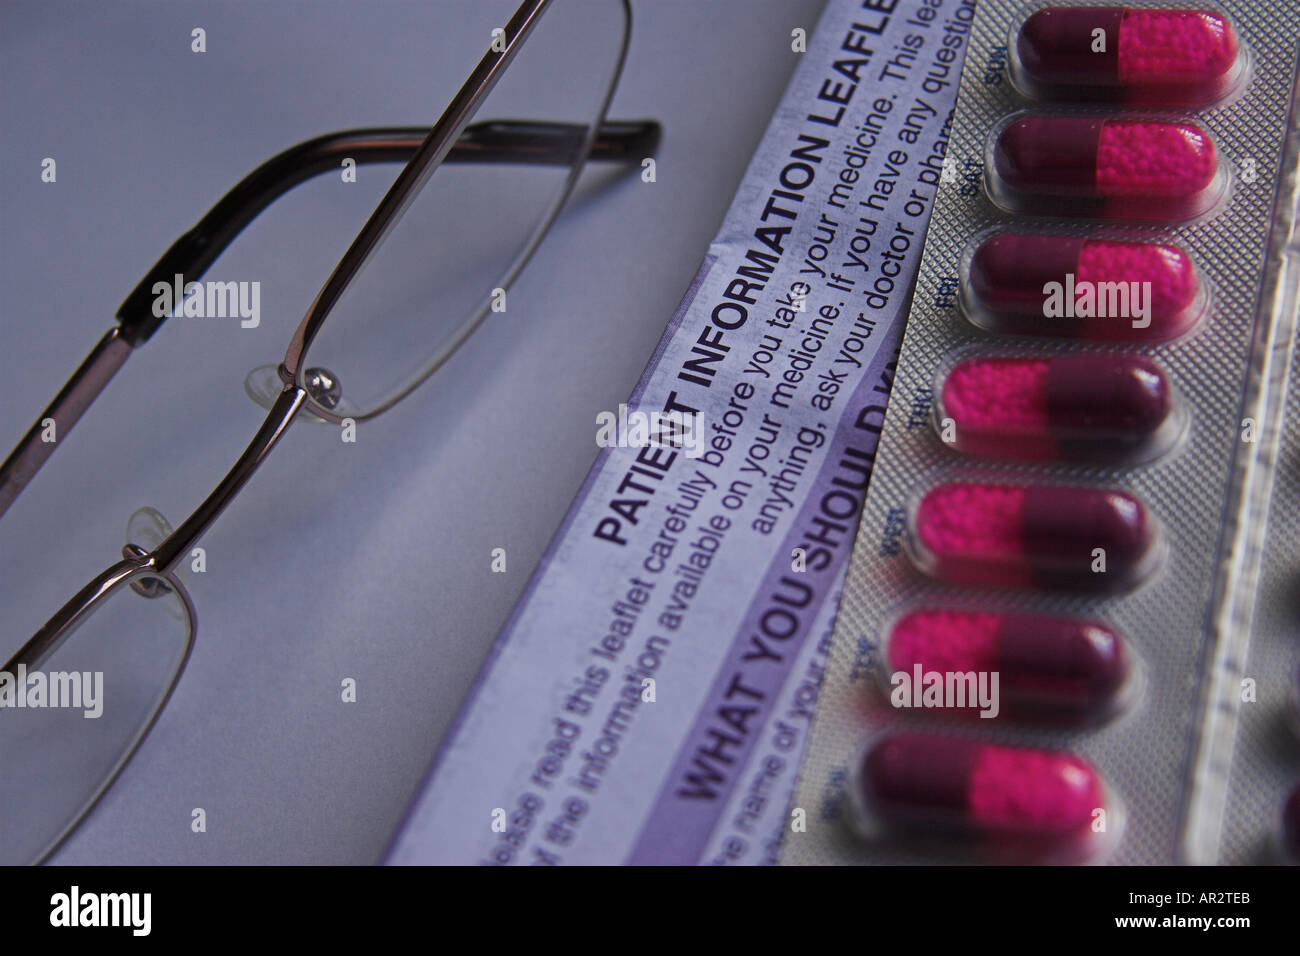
(145,587)
(150,528)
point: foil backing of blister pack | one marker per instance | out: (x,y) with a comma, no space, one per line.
(1156,757)
(1265,742)
(1265,762)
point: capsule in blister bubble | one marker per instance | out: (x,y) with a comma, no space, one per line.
(1034,536)
(1040,802)
(1052,669)
(1105,168)
(1155,56)
(1082,288)
(1071,407)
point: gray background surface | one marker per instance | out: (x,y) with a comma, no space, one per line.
(371,560)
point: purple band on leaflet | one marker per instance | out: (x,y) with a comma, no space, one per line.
(677,827)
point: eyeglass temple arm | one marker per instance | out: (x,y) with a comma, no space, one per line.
(492,141)
(60,415)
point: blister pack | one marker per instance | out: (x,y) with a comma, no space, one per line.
(1065,636)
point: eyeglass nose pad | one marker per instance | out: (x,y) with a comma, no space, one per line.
(145,530)
(264,385)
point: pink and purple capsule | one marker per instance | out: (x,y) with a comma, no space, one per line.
(1118,54)
(1012,799)
(1050,669)
(1076,287)
(1034,536)
(1061,407)
(1105,168)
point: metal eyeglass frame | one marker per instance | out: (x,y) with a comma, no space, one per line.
(450,139)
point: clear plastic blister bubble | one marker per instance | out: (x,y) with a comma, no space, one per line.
(1086,286)
(982,799)
(1187,55)
(1036,434)
(978,661)
(1034,535)
(1039,404)
(1111,167)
